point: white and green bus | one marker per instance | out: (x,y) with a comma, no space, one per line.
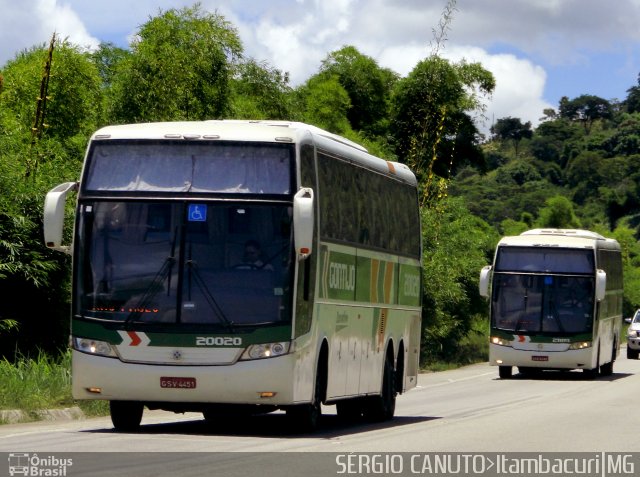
(241,267)
(556,302)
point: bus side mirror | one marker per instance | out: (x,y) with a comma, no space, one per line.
(485,280)
(303,222)
(54,204)
(601,284)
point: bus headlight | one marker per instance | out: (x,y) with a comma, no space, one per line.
(496,340)
(580,345)
(632,333)
(95,347)
(266,350)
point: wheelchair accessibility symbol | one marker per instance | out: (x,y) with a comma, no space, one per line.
(197,213)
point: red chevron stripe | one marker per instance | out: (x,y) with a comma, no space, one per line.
(135,339)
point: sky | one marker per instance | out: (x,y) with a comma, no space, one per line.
(537,50)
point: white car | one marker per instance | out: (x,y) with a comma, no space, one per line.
(633,336)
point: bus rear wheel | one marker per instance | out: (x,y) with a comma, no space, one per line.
(383,407)
(632,353)
(126,415)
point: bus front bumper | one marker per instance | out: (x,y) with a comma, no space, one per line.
(544,359)
(257,382)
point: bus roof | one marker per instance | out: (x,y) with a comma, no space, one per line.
(259,131)
(569,238)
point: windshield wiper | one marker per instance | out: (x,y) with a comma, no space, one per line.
(152,290)
(193,271)
(156,284)
(524,312)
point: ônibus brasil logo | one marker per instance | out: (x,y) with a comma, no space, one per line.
(34,465)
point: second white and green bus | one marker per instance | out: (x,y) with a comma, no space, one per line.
(168,312)
(556,302)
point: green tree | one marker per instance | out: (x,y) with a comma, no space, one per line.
(107,58)
(625,140)
(512,227)
(456,246)
(74,90)
(326,103)
(586,109)
(428,107)
(180,68)
(555,140)
(261,92)
(27,268)
(513,130)
(519,172)
(558,213)
(632,102)
(368,86)
(625,235)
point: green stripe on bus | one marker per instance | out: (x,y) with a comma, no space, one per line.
(409,289)
(369,279)
(339,275)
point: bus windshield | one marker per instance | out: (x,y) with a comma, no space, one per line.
(554,304)
(177,166)
(224,265)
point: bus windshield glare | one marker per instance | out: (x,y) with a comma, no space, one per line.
(184,262)
(180,167)
(543,290)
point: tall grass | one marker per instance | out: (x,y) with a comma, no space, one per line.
(31,384)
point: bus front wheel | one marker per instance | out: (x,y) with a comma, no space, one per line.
(593,373)
(126,415)
(607,368)
(505,372)
(305,417)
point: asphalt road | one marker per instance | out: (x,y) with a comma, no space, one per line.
(465,410)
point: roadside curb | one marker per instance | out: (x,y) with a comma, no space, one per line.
(14,416)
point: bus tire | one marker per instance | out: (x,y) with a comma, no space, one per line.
(607,368)
(126,415)
(528,371)
(632,353)
(505,372)
(305,417)
(383,407)
(593,373)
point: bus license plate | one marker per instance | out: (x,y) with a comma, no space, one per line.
(177,383)
(540,358)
